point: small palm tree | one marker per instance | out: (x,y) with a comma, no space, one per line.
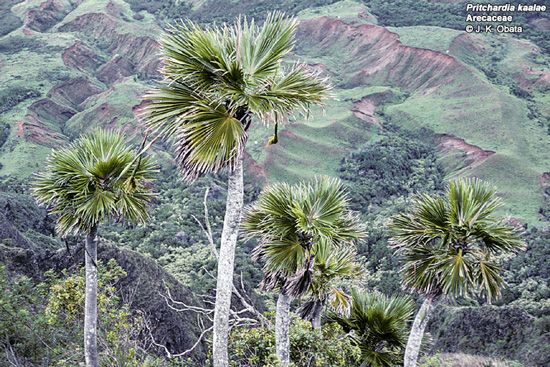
(292,224)
(216,80)
(331,263)
(96,178)
(447,245)
(377,325)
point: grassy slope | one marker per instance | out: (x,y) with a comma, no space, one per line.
(471,107)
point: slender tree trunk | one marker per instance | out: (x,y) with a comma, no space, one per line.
(417,331)
(316,317)
(90,310)
(224,287)
(282,338)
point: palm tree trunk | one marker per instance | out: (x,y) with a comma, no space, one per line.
(282,339)
(226,260)
(417,331)
(318,310)
(90,308)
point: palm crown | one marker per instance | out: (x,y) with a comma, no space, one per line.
(448,243)
(216,79)
(295,222)
(377,325)
(95,178)
(331,263)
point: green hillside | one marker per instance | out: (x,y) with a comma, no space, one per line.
(406,84)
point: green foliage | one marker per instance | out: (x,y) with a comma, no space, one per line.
(448,243)
(294,222)
(10,98)
(527,275)
(398,164)
(378,325)
(42,324)
(216,79)
(162,9)
(10,21)
(97,177)
(4,133)
(251,347)
(173,237)
(462,359)
(506,332)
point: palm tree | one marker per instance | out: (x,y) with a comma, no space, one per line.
(215,81)
(293,223)
(331,263)
(96,178)
(377,325)
(447,245)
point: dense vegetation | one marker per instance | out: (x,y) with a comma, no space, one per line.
(41,324)
(380,176)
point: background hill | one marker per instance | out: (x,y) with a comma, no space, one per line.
(412,88)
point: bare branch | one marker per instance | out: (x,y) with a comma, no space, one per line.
(168,353)
(208,230)
(201,310)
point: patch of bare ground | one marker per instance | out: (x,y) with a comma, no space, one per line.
(81,58)
(33,129)
(49,14)
(364,109)
(374,55)
(73,92)
(115,70)
(470,154)
(466,43)
(532,79)
(47,110)
(140,50)
(254,170)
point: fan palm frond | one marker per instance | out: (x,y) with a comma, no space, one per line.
(293,223)
(378,326)
(216,79)
(87,182)
(447,243)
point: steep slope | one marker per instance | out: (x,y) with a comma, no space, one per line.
(89,64)
(444,94)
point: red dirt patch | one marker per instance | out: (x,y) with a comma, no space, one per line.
(117,69)
(545,180)
(364,109)
(48,110)
(73,92)
(33,129)
(374,55)
(288,134)
(81,58)
(542,81)
(19,128)
(472,154)
(139,50)
(50,13)
(255,170)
